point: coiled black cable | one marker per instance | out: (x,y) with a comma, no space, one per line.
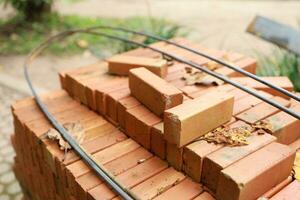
(108,178)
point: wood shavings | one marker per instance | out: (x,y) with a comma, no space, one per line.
(262,127)
(76,131)
(195,77)
(228,136)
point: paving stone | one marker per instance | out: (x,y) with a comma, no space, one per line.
(4,197)
(13,188)
(7,178)
(4,167)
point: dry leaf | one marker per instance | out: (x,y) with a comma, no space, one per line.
(228,136)
(262,127)
(196,77)
(75,129)
(82,43)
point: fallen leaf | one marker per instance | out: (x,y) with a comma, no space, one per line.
(75,129)
(228,136)
(196,77)
(263,127)
(82,43)
(296,167)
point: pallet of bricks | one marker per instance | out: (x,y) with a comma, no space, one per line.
(158,127)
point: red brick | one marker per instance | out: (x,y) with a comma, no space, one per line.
(187,189)
(138,123)
(158,143)
(261,111)
(121,64)
(141,172)
(205,196)
(295,145)
(278,187)
(282,82)
(112,102)
(183,123)
(157,184)
(154,92)
(248,64)
(254,175)
(245,103)
(115,167)
(143,129)
(174,156)
(215,162)
(122,106)
(100,192)
(193,155)
(100,93)
(130,160)
(290,192)
(285,127)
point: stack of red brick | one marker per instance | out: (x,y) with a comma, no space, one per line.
(162,116)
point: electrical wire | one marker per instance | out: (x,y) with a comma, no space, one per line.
(99,169)
(230,66)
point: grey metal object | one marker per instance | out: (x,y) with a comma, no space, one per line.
(277,33)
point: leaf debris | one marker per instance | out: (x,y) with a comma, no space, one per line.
(237,136)
(195,77)
(76,130)
(262,127)
(229,136)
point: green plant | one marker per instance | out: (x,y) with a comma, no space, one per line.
(30,10)
(21,39)
(280,63)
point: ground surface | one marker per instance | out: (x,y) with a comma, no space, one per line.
(218,24)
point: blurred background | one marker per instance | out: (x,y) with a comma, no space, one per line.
(218,24)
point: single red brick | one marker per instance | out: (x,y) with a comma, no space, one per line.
(130,160)
(158,143)
(143,129)
(100,93)
(295,145)
(141,172)
(121,64)
(285,127)
(193,155)
(205,196)
(115,167)
(131,117)
(290,192)
(261,111)
(277,188)
(184,123)
(102,191)
(215,162)
(157,184)
(187,189)
(112,102)
(248,64)
(122,106)
(238,182)
(174,156)
(154,92)
(282,82)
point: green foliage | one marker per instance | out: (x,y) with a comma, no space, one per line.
(281,63)
(30,10)
(26,35)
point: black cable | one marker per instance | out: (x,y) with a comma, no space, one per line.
(67,136)
(212,73)
(237,69)
(123,192)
